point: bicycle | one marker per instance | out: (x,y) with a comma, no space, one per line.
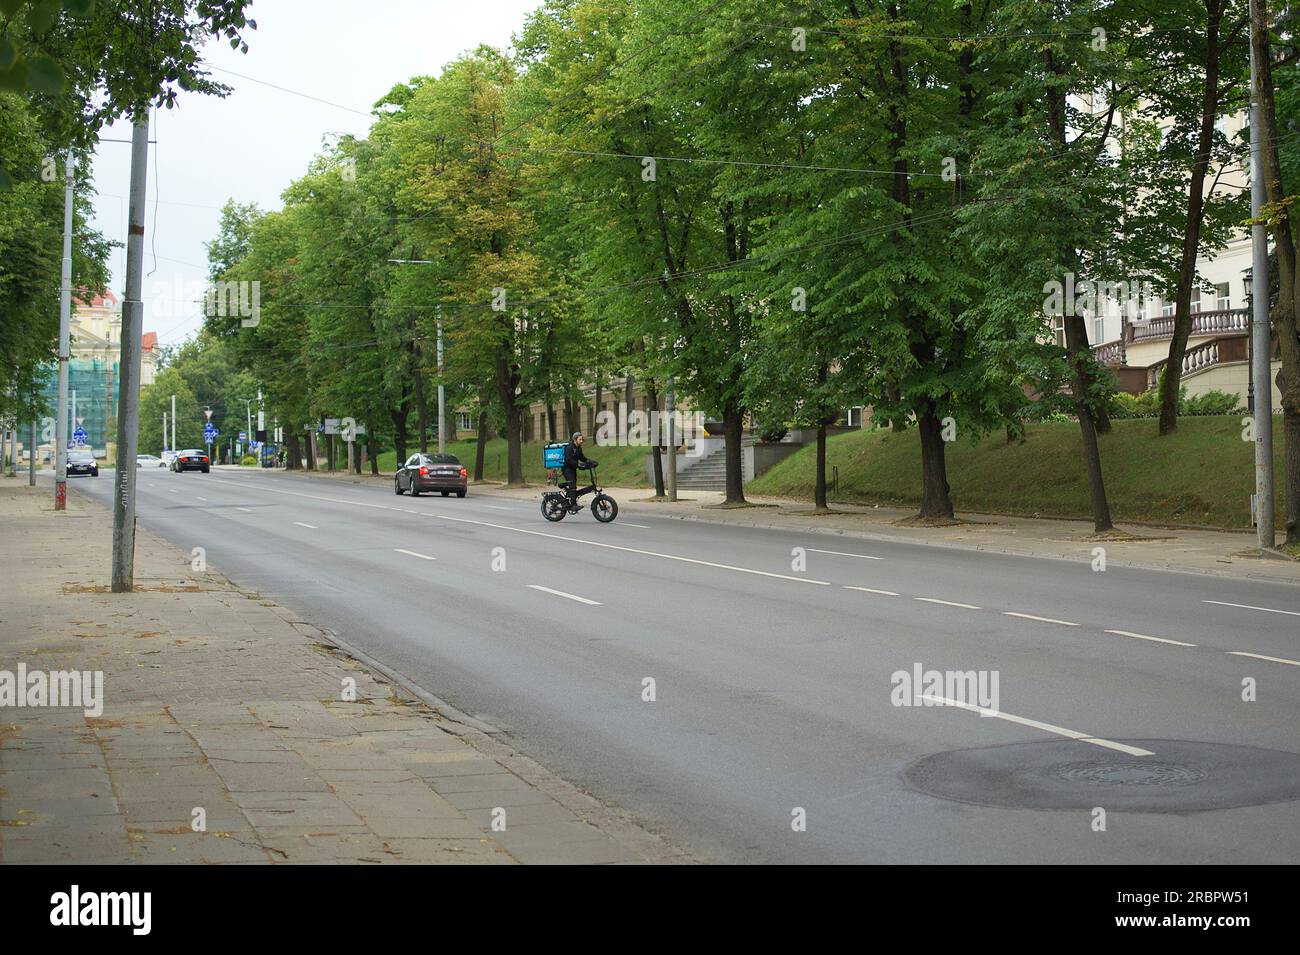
(556,504)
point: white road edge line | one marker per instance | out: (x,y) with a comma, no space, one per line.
(1046,727)
(499,508)
(1260,656)
(200,498)
(1143,636)
(870,590)
(558,537)
(947,603)
(1224,603)
(249,509)
(561,593)
(630,524)
(1030,616)
(840,553)
(412,553)
(310,527)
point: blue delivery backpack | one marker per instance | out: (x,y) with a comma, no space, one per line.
(553,455)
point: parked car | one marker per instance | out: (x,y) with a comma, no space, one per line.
(81,461)
(431,472)
(191,460)
(149,461)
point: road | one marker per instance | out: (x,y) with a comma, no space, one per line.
(774,682)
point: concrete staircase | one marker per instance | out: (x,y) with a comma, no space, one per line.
(707,474)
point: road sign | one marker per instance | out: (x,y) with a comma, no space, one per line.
(243,436)
(209,433)
(208,413)
(79,436)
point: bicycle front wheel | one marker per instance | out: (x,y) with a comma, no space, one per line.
(604,508)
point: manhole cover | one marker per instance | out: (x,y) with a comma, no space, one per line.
(1182,776)
(1135,773)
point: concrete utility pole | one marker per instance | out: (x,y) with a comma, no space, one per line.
(164,432)
(65,332)
(173,424)
(31,454)
(128,402)
(1259,325)
(442,441)
(671,408)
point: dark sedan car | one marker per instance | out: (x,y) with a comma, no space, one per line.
(191,460)
(82,462)
(431,472)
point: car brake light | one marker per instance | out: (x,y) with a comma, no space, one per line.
(464,472)
(424,471)
(205,460)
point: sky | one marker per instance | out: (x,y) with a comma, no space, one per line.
(252,144)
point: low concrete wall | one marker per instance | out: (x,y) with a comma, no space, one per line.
(757,458)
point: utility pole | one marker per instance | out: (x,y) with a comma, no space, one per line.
(442,442)
(128,402)
(31,453)
(164,432)
(1259,323)
(670,405)
(65,323)
(173,424)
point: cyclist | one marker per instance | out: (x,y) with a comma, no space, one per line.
(573,460)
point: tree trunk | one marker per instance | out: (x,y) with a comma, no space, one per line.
(550,420)
(733,419)
(480,445)
(421,412)
(1288,261)
(1192,227)
(651,406)
(819,489)
(628,384)
(372,452)
(596,402)
(936,495)
(311,450)
(1076,344)
(293,457)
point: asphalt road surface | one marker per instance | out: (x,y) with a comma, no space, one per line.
(1119,695)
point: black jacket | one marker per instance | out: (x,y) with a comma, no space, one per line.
(572,455)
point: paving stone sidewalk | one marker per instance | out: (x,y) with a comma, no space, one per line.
(221,705)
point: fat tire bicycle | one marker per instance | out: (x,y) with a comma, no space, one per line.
(556,505)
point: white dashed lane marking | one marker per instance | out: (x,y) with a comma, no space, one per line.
(561,593)
(1046,727)
(1030,616)
(947,603)
(1143,636)
(872,590)
(310,527)
(1224,603)
(839,553)
(1260,656)
(411,553)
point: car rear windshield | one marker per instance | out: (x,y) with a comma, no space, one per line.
(80,456)
(442,459)
(191,453)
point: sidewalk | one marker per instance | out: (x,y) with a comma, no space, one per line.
(220,707)
(1223,553)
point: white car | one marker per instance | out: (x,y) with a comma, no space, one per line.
(149,461)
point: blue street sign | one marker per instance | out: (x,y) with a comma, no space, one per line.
(79,436)
(243,436)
